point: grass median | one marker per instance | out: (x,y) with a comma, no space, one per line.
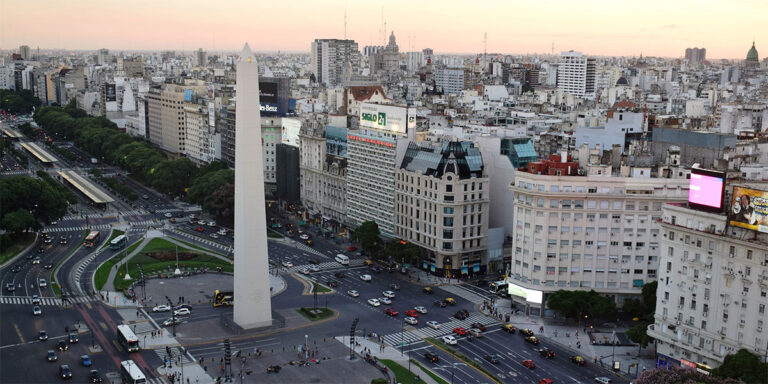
(190,245)
(315,314)
(460,356)
(402,375)
(115,233)
(102,273)
(429,373)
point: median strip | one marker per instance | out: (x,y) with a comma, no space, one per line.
(460,356)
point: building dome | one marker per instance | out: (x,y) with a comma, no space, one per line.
(752,54)
(622,81)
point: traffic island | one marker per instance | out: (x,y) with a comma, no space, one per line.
(315,314)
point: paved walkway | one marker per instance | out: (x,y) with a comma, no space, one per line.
(364,345)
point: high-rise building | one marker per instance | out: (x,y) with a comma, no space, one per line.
(695,55)
(330,58)
(201,58)
(450,80)
(442,201)
(713,282)
(576,74)
(166,118)
(323,170)
(25,52)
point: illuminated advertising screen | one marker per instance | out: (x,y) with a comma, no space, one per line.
(385,117)
(529,295)
(706,189)
(749,209)
(110,92)
(267,93)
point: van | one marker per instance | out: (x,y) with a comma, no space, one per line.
(342,259)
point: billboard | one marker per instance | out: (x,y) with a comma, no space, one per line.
(530,295)
(267,92)
(385,117)
(110,92)
(706,189)
(749,209)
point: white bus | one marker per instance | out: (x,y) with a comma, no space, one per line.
(131,373)
(498,287)
(118,242)
(342,259)
(127,338)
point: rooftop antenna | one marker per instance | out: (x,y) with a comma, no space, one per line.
(485,45)
(345,23)
(553,47)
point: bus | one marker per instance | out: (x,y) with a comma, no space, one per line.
(131,373)
(92,239)
(498,287)
(127,338)
(118,242)
(223,298)
(342,259)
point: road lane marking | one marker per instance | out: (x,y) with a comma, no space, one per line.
(18,332)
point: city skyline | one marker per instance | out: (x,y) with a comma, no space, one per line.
(725,29)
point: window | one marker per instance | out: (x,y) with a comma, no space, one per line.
(448,221)
(448,210)
(449,188)
(447,245)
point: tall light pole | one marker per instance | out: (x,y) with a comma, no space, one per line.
(402,336)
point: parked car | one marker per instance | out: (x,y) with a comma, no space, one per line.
(460,331)
(431,357)
(391,312)
(448,339)
(353,293)
(493,359)
(161,308)
(529,364)
(433,324)
(411,320)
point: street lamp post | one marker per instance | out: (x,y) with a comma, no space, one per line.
(453,370)
(402,336)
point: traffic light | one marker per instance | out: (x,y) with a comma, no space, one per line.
(227,352)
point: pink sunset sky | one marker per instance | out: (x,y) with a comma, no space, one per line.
(725,28)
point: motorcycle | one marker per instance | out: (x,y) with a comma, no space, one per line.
(273,369)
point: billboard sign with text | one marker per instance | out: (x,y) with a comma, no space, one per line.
(749,209)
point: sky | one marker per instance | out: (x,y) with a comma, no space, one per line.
(726,28)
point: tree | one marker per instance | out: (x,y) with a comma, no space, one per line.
(576,304)
(639,334)
(17,221)
(221,204)
(44,201)
(526,88)
(649,297)
(744,366)
(677,375)
(367,234)
(634,308)
(402,250)
(18,102)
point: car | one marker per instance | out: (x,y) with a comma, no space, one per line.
(475,332)
(333,283)
(287,264)
(450,300)
(43,283)
(48,266)
(433,324)
(462,314)
(526,332)
(351,248)
(421,310)
(289,233)
(391,311)
(214,236)
(460,331)
(448,339)
(353,293)
(94,376)
(168,215)
(182,312)
(481,283)
(431,357)
(30,256)
(161,308)
(199,229)
(385,300)
(412,313)
(479,326)
(169,322)
(54,223)
(365,277)
(86,360)
(509,328)
(375,269)
(304,236)
(64,372)
(428,290)
(48,240)
(314,261)
(340,275)
(62,345)
(211,223)
(73,338)
(10,287)
(547,353)
(411,320)
(394,287)
(36,311)
(546,381)
(389,294)
(602,380)
(578,360)
(63,241)
(532,339)
(493,359)
(314,268)
(172,220)
(180,306)
(16,269)
(440,303)
(374,302)
(36,260)
(145,197)
(529,364)
(52,355)
(42,336)
(35,300)
(306,271)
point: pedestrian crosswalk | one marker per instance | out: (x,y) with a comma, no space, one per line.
(214,244)
(306,248)
(44,301)
(327,265)
(77,228)
(394,339)
(174,357)
(15,173)
(464,293)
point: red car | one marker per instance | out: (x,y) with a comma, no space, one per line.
(478,326)
(391,312)
(545,381)
(460,331)
(529,364)
(412,313)
(351,248)
(199,229)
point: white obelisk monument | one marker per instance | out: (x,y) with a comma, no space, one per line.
(253,307)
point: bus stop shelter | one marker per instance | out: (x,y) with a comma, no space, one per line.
(41,154)
(87,188)
(12,133)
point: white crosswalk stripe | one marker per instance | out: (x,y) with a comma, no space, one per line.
(27,300)
(175,352)
(328,265)
(464,293)
(394,339)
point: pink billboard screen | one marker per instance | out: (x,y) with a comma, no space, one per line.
(706,190)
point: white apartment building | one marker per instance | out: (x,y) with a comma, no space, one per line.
(323,174)
(713,289)
(596,232)
(200,143)
(442,201)
(576,74)
(451,80)
(330,58)
(271,135)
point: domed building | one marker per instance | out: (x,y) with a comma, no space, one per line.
(752,60)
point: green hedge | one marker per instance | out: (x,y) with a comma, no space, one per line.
(307,313)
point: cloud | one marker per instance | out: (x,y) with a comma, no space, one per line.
(670,26)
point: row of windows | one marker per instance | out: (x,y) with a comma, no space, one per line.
(618,205)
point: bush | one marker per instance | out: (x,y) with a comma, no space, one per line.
(379,380)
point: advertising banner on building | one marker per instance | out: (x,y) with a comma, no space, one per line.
(211,114)
(267,93)
(749,209)
(110,92)
(530,295)
(385,117)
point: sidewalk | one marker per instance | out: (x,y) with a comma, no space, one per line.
(389,353)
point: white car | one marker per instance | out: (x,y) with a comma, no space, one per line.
(287,264)
(385,300)
(353,293)
(168,215)
(305,271)
(169,322)
(314,268)
(304,237)
(211,223)
(374,302)
(36,260)
(36,311)
(602,380)
(214,236)
(43,283)
(433,324)
(161,308)
(365,277)
(389,294)
(411,320)
(182,312)
(448,339)
(35,299)
(420,309)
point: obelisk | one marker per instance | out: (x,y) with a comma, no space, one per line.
(253,307)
